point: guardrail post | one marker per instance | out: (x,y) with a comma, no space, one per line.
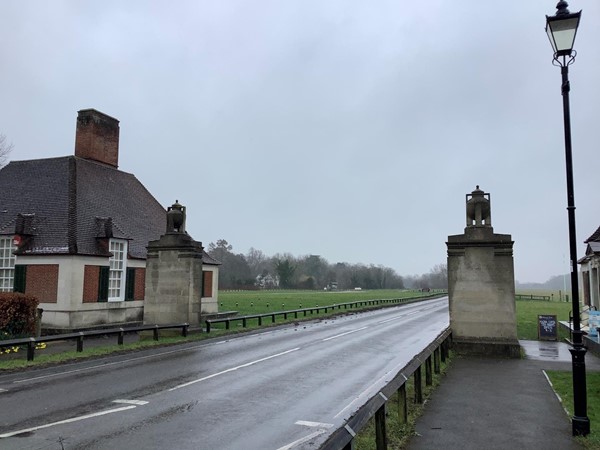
(80,342)
(295,314)
(207,326)
(380,432)
(244,322)
(273,318)
(428,374)
(227,324)
(349,445)
(402,404)
(436,360)
(285,316)
(443,351)
(30,349)
(418,386)
(155,330)
(120,336)
(259,321)
(184,329)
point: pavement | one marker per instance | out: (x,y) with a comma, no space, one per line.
(500,403)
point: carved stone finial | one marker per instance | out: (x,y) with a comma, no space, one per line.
(176,218)
(479,212)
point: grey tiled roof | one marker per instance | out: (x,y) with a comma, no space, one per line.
(67,195)
(594,237)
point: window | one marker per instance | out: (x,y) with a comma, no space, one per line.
(117,270)
(7,264)
(207,283)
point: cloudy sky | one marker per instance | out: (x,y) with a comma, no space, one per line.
(348,129)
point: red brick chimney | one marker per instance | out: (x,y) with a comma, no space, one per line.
(97,137)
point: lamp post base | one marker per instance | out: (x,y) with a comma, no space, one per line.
(581,426)
(580,421)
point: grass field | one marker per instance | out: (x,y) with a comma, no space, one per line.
(555,295)
(260,302)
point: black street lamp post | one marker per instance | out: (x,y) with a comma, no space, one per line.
(562,29)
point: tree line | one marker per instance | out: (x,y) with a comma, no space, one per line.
(256,270)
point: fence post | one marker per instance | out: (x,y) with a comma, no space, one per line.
(436,360)
(380,432)
(428,374)
(80,342)
(402,404)
(418,386)
(30,349)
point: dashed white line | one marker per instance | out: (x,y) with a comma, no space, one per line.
(314,424)
(62,422)
(233,369)
(343,334)
(131,402)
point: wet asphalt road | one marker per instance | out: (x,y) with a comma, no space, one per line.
(287,388)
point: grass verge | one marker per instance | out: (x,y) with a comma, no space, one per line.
(562,382)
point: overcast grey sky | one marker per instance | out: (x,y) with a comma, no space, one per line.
(349,129)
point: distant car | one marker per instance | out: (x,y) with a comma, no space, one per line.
(357,289)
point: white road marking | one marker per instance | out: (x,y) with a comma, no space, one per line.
(233,369)
(62,422)
(131,402)
(343,334)
(302,440)
(314,424)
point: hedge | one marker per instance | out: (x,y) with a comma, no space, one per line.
(18,315)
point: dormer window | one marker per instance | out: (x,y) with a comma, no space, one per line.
(118,267)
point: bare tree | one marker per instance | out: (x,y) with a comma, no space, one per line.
(5,149)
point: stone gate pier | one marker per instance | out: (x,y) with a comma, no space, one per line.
(481,284)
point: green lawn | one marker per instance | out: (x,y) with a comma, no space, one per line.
(527,316)
(563,385)
(260,302)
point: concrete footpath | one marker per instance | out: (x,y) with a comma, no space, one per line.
(500,403)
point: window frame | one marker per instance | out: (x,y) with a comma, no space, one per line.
(7,263)
(117,270)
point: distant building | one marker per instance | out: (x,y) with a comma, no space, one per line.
(74,231)
(590,267)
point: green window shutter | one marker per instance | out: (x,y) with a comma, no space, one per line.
(103,284)
(130,283)
(20,277)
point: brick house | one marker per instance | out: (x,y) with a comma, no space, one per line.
(74,231)
(590,271)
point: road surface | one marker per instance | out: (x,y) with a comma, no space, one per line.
(287,388)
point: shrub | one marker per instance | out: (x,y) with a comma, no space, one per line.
(18,315)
